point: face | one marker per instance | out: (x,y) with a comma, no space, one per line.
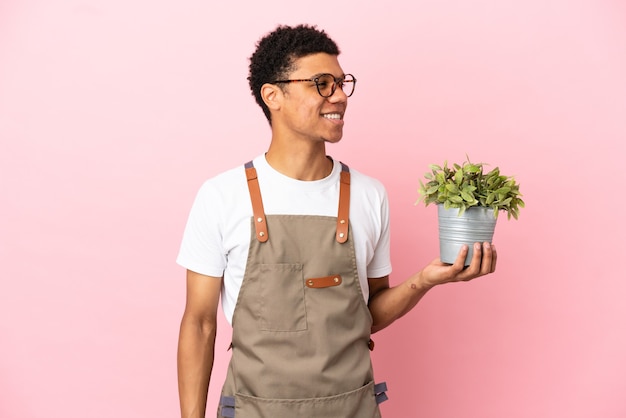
(304,113)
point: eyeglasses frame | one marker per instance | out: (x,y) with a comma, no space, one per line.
(315,79)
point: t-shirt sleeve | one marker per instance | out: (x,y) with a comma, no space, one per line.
(201,249)
(380,265)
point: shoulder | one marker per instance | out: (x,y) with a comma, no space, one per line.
(222,182)
(365,185)
(223,193)
(223,190)
(365,179)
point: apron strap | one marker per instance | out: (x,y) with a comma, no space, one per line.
(344,205)
(260,224)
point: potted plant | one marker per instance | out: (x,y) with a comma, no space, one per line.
(468,201)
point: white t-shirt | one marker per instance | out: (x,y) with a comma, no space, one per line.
(217,235)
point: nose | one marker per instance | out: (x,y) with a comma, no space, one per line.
(338,96)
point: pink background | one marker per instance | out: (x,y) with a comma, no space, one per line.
(112,113)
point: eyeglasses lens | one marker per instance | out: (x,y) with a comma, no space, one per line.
(348,85)
(326,85)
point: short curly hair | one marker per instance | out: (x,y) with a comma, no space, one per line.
(276,53)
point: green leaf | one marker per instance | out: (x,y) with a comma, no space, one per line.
(458,177)
(466,185)
(468,197)
(472,168)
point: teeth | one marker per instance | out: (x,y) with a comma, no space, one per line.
(332,116)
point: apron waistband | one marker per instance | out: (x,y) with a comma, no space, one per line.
(227,404)
(380,392)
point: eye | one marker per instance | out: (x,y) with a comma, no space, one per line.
(325,80)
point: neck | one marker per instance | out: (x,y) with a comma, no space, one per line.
(305,163)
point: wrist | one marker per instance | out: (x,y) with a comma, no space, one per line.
(417,283)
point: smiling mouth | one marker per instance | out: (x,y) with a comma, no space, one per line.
(334,116)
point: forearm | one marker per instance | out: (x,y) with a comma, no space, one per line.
(388,304)
(392,303)
(195,362)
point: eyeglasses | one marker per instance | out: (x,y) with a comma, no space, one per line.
(327,83)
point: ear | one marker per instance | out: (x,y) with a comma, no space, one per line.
(272,95)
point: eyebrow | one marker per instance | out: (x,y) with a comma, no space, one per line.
(320,74)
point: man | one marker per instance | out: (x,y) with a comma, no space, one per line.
(297,245)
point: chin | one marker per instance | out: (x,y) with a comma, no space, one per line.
(332,141)
(333,138)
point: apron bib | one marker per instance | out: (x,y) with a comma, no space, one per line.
(301,329)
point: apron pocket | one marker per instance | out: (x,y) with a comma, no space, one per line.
(279,296)
(359,403)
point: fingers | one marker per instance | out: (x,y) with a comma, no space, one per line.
(494,258)
(485,266)
(459,263)
(483,262)
(459,271)
(475,268)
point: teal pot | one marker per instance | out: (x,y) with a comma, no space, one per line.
(477,224)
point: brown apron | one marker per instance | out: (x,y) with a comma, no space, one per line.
(301,329)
